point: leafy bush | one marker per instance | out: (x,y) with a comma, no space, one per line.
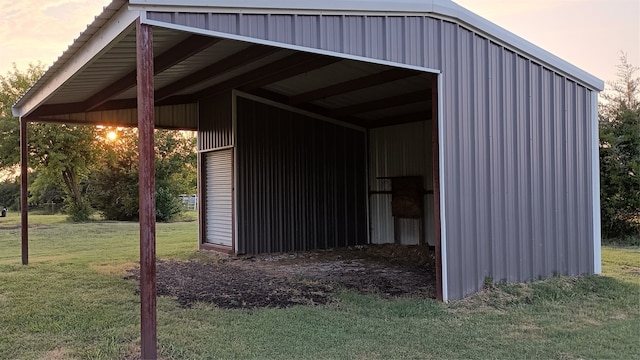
(77,212)
(114,182)
(168,204)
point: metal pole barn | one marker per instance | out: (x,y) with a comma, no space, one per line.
(24,201)
(144,66)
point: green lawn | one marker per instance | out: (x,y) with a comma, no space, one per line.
(72,302)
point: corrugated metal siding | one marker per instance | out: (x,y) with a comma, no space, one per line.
(301,181)
(399,150)
(515,140)
(517,160)
(378,37)
(216,124)
(219,200)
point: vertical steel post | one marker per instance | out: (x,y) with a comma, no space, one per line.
(144,65)
(24,200)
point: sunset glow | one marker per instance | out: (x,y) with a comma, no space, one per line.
(112,135)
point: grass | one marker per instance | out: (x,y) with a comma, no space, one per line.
(72,302)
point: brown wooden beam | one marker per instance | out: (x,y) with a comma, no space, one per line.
(289,66)
(146,185)
(353,85)
(178,53)
(24,195)
(398,100)
(231,62)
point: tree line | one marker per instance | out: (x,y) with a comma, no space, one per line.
(619,115)
(87,168)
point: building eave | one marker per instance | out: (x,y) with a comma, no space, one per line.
(106,28)
(439,8)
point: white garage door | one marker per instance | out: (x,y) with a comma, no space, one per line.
(219,199)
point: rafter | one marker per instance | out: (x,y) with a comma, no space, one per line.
(278,74)
(398,100)
(231,62)
(185,49)
(270,95)
(289,66)
(399,119)
(352,85)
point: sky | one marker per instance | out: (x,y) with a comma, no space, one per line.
(587,33)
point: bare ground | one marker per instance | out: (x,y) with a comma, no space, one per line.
(302,278)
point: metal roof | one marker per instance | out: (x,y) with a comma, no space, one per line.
(97,72)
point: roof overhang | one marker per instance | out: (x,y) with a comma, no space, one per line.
(439,8)
(113,23)
(93,82)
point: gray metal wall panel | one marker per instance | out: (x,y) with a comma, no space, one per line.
(414,44)
(516,169)
(281,28)
(354,34)
(307,31)
(301,181)
(516,144)
(216,124)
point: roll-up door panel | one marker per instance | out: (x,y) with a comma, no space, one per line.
(219,197)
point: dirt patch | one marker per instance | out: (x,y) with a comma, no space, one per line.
(283,280)
(632,270)
(18,226)
(56,354)
(114,269)
(133,352)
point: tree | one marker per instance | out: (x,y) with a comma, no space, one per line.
(620,153)
(10,194)
(60,153)
(12,86)
(114,181)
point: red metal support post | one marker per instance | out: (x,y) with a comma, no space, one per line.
(24,200)
(144,61)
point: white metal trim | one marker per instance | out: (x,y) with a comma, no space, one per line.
(215,149)
(286,46)
(443,222)
(595,185)
(293,5)
(99,43)
(297,111)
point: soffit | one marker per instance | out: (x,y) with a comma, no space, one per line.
(271,72)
